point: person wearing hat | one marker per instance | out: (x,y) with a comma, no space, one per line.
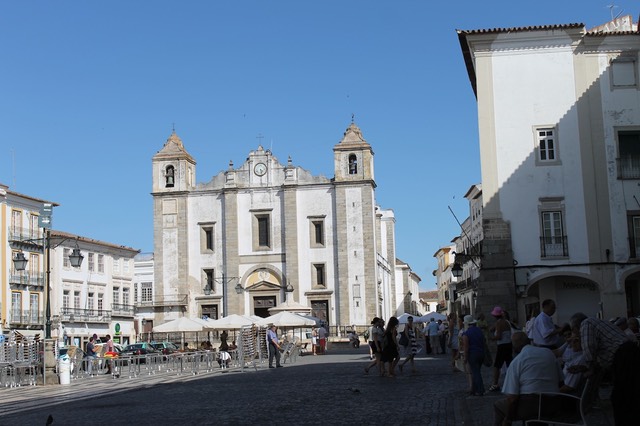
(473,347)
(502,336)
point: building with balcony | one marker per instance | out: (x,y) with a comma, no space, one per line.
(22,293)
(559,133)
(265,232)
(94,298)
(444,277)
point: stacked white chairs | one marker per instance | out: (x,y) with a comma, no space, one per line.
(19,363)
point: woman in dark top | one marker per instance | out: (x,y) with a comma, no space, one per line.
(473,347)
(390,354)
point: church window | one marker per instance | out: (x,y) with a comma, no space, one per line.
(169,176)
(209,283)
(319,275)
(261,231)
(353,164)
(316,231)
(206,238)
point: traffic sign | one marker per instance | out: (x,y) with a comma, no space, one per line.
(44,220)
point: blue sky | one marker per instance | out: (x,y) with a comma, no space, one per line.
(90,91)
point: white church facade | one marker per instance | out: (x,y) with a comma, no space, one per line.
(265,233)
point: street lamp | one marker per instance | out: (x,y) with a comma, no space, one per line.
(20,263)
(456,270)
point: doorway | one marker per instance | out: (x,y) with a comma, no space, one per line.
(320,309)
(262,304)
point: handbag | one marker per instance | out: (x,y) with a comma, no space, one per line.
(404,340)
(488,359)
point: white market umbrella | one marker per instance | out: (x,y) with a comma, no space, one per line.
(207,324)
(435,315)
(287,319)
(403,319)
(230,322)
(180,325)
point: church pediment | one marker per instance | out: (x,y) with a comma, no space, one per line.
(264,286)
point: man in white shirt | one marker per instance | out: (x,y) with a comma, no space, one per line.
(533,370)
(544,332)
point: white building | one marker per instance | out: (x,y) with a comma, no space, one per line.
(22,297)
(94,298)
(263,232)
(559,131)
(407,290)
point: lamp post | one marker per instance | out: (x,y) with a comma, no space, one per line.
(20,263)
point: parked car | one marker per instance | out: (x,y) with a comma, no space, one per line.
(142,348)
(166,348)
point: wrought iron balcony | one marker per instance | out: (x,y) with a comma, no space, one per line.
(119,310)
(554,247)
(26,318)
(23,278)
(84,315)
(25,234)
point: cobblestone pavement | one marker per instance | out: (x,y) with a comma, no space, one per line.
(328,389)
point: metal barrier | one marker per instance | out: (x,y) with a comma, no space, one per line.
(20,364)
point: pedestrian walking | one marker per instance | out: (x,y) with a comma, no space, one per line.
(377,335)
(411,349)
(473,345)
(390,353)
(502,336)
(434,339)
(454,340)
